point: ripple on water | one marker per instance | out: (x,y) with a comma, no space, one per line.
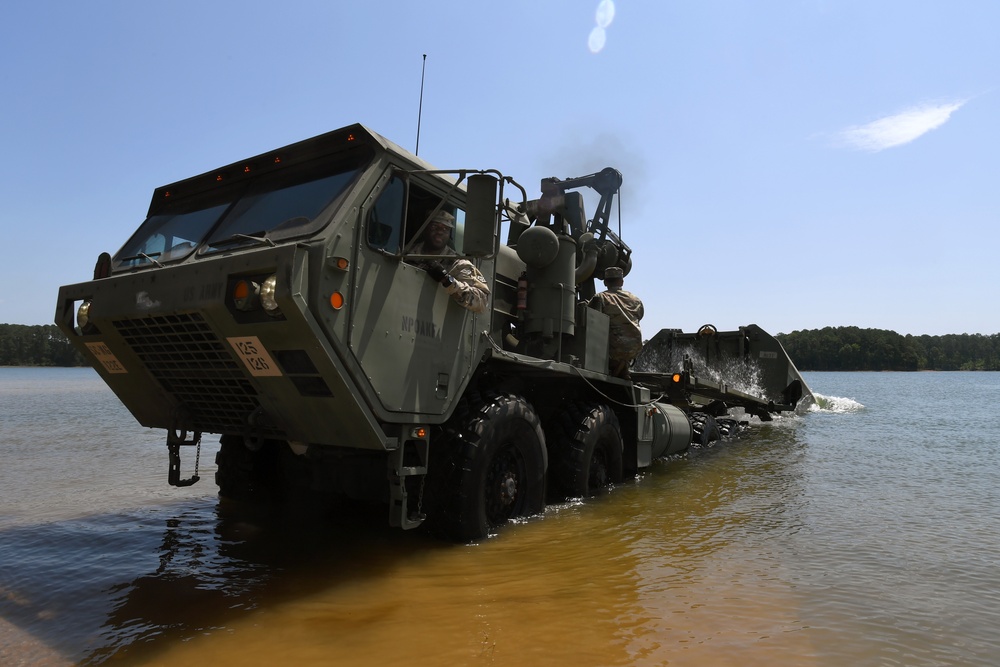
(854,537)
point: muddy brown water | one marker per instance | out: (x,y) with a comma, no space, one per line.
(811,540)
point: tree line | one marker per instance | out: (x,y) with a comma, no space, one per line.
(37,345)
(829,349)
(854,349)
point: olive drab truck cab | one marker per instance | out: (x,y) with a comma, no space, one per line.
(282,302)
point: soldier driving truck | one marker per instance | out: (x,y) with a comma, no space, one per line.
(278,303)
(460,277)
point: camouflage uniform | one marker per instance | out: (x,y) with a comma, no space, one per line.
(624,309)
(469,289)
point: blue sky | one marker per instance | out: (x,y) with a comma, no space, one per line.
(794,164)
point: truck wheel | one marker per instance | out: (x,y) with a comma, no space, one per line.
(498,465)
(704,429)
(586,450)
(243,474)
(730,428)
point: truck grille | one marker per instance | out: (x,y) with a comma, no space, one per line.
(194,366)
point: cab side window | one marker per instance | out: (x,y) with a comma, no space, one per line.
(395,222)
(385,220)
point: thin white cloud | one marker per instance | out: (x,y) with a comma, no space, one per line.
(900,128)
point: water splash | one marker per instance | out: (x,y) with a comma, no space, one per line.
(835,404)
(739,374)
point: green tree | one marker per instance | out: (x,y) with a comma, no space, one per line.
(36,345)
(854,349)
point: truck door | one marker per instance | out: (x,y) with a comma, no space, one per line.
(413,341)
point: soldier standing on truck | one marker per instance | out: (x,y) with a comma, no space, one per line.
(459,277)
(624,309)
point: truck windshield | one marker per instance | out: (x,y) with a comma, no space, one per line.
(273,208)
(280,208)
(168,236)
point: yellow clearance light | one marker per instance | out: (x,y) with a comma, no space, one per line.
(676,378)
(341,263)
(419,432)
(337,300)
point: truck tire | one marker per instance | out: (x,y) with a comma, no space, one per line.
(243,474)
(493,469)
(704,429)
(586,450)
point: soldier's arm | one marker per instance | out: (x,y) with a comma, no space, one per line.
(469,289)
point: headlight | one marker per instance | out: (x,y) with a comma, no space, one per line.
(267,295)
(83,315)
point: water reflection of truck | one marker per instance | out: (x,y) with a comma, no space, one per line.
(275,302)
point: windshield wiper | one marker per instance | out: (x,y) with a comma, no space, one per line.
(142,255)
(235,238)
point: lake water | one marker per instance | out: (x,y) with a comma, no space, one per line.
(862,533)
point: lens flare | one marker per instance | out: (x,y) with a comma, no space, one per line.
(605,13)
(596,40)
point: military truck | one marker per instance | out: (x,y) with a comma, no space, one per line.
(279,303)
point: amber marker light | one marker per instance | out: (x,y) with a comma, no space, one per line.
(677,377)
(419,432)
(243,294)
(337,300)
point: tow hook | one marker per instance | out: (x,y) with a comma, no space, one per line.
(175,439)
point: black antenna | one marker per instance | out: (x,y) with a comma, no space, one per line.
(420,109)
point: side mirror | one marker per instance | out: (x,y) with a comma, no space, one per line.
(103,267)
(479,239)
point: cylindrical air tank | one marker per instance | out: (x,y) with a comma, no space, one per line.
(671,430)
(551,269)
